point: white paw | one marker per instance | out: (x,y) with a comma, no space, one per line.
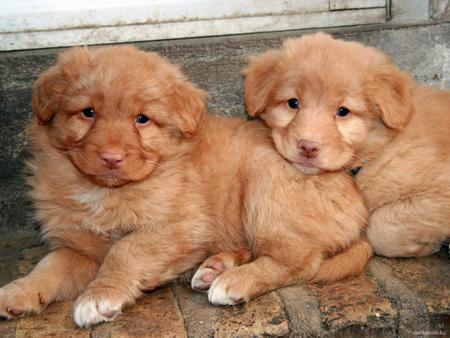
(218,294)
(89,311)
(203,278)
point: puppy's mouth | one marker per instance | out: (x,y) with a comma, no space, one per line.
(112,174)
(111,178)
(307,167)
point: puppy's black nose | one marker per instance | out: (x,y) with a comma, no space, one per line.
(308,149)
(112,160)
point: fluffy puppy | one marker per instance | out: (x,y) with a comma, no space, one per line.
(336,105)
(135,184)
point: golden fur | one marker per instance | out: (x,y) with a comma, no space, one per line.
(395,130)
(129,203)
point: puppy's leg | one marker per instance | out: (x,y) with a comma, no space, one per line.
(215,265)
(348,263)
(264,274)
(62,274)
(409,228)
(140,261)
(292,223)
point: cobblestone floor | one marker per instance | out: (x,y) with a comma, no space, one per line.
(394,297)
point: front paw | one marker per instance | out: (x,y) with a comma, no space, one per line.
(206,274)
(96,306)
(216,265)
(227,290)
(20,298)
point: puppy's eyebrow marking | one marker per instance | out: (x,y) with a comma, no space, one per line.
(286,91)
(354,103)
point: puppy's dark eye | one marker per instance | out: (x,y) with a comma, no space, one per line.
(142,119)
(89,112)
(342,112)
(293,103)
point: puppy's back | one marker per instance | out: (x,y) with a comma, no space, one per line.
(432,118)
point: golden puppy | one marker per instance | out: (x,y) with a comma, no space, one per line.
(134,184)
(336,105)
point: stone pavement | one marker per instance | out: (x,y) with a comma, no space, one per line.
(394,297)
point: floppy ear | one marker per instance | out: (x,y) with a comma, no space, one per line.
(50,87)
(391,91)
(260,76)
(45,93)
(190,105)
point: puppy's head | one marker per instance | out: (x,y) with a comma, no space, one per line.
(116,113)
(331,104)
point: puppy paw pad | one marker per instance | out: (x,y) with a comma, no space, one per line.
(203,278)
(218,266)
(15,312)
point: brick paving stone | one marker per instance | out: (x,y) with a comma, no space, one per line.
(156,315)
(428,277)
(261,317)
(403,297)
(198,314)
(55,321)
(412,312)
(302,309)
(439,326)
(355,307)
(8,329)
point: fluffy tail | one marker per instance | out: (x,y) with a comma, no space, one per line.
(348,263)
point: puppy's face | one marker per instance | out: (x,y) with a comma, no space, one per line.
(327,101)
(116,113)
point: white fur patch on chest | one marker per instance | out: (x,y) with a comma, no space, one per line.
(108,213)
(94,198)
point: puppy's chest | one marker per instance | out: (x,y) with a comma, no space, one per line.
(114,215)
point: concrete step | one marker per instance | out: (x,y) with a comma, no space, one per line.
(395,297)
